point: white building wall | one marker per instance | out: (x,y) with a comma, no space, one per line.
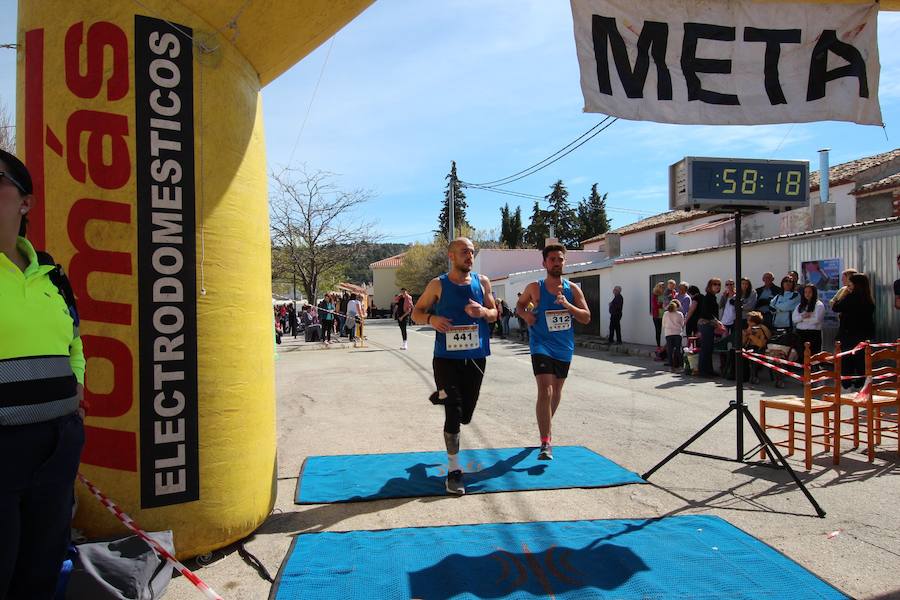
(384,285)
(844,204)
(644,242)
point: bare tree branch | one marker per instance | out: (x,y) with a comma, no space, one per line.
(313,226)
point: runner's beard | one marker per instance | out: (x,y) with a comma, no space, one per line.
(555,271)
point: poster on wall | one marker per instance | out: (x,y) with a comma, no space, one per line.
(826,276)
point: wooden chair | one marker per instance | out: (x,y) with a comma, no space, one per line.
(821,395)
(881,391)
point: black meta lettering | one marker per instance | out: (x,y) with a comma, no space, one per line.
(652,41)
(691,65)
(819,75)
(773,39)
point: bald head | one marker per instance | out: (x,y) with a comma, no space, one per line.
(460,243)
(462,254)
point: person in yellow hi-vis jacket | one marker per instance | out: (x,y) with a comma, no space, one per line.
(41,400)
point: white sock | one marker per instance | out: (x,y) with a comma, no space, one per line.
(452,462)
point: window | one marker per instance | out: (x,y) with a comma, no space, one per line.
(661,241)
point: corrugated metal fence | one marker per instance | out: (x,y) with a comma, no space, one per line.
(873,252)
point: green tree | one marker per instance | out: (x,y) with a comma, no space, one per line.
(538,229)
(421,264)
(461,224)
(592,217)
(516,231)
(562,216)
(505,226)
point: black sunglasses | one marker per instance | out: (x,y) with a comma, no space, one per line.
(12,180)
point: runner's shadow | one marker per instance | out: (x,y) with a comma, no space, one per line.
(513,571)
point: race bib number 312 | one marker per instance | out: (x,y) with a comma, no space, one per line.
(558,320)
(463,337)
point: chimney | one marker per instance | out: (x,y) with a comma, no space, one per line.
(613,244)
(552,239)
(823,175)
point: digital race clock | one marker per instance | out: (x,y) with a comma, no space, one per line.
(729,184)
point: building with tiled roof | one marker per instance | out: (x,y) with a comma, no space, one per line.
(384,280)
(867,169)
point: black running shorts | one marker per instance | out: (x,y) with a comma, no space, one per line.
(542,364)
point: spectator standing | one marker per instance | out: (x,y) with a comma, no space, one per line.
(342,303)
(354,315)
(505,315)
(327,317)
(671,291)
(857,310)
(684,298)
(726,305)
(782,306)
(657,308)
(693,314)
(673,326)
(707,323)
(615,315)
(809,317)
(764,296)
(897,288)
(748,300)
(292,320)
(402,312)
(845,286)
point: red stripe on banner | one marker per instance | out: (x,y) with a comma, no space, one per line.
(110,448)
(34,132)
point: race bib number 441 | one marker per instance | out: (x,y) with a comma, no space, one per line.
(463,337)
(558,320)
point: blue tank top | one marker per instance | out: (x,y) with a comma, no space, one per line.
(471,332)
(560,343)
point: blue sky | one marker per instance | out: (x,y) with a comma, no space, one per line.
(409,86)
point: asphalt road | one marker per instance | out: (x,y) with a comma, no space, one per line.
(629,409)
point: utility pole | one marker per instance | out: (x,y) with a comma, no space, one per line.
(451,234)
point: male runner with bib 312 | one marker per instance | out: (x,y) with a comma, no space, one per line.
(458,305)
(556,301)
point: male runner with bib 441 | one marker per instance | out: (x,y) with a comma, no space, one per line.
(552,339)
(458,305)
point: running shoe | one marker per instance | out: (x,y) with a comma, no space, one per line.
(454,483)
(546,451)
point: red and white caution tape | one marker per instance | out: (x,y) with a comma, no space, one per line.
(752,356)
(130,524)
(855,349)
(774,359)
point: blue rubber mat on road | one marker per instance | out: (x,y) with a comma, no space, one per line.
(692,556)
(360,477)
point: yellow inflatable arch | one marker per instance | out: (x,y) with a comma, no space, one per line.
(141,124)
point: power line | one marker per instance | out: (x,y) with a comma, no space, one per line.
(312,99)
(564,151)
(632,211)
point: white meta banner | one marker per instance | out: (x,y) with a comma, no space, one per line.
(728,62)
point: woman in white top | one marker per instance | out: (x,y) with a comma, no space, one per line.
(672,326)
(726,305)
(808,318)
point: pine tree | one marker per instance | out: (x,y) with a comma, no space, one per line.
(562,216)
(505,223)
(459,207)
(592,217)
(516,231)
(538,230)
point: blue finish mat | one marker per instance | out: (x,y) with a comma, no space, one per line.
(693,556)
(359,477)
